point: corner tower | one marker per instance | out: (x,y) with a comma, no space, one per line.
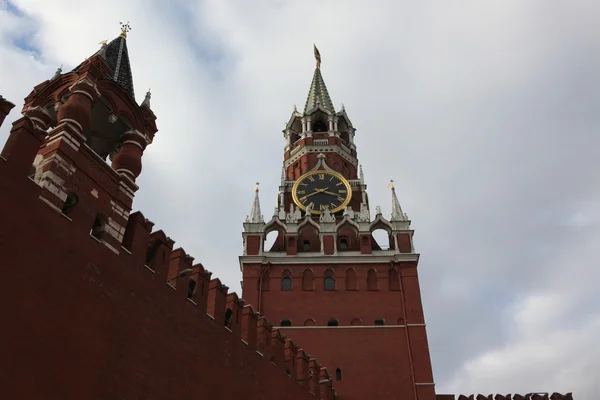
(325,280)
(81,139)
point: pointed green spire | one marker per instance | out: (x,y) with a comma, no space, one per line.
(318,91)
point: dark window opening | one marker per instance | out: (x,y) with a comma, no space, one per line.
(379,322)
(306,245)
(286,283)
(286,322)
(338,374)
(329,283)
(343,243)
(191,287)
(228,313)
(99,227)
(320,126)
(70,202)
(332,322)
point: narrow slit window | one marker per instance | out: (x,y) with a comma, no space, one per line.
(70,203)
(338,374)
(99,227)
(191,287)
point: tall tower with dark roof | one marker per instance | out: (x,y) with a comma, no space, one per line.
(325,280)
(91,135)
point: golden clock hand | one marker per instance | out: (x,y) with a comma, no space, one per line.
(317,191)
(326,192)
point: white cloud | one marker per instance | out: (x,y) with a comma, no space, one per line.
(485,114)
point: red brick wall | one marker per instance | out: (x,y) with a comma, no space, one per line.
(386,362)
(80,322)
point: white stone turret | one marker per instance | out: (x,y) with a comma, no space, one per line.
(255,214)
(397,214)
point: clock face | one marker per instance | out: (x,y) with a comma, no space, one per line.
(320,190)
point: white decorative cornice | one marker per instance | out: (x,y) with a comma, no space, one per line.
(347,257)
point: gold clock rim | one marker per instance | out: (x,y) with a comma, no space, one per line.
(321,171)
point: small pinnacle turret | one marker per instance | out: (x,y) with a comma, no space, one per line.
(318,94)
(255,213)
(397,214)
(146,102)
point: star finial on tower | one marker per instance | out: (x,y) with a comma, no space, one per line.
(125,28)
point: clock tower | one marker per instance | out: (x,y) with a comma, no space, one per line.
(325,281)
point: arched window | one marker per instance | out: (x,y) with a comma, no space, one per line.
(191,287)
(307,280)
(285,322)
(393,280)
(350,279)
(332,322)
(356,322)
(286,280)
(372,280)
(379,322)
(400,321)
(309,322)
(329,281)
(99,227)
(338,374)
(306,245)
(70,203)
(343,243)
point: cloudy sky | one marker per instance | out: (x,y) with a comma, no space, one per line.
(485,113)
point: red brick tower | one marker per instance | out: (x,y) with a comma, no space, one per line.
(355,303)
(78,120)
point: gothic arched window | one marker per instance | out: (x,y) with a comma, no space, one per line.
(286,280)
(372,280)
(343,243)
(350,279)
(329,281)
(307,280)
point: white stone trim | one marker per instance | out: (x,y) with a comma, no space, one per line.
(377,257)
(72,121)
(133,142)
(63,136)
(52,206)
(424,384)
(84,93)
(341,327)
